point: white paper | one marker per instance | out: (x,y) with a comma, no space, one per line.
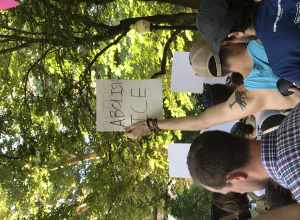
(221,127)
(184,80)
(121,103)
(177,155)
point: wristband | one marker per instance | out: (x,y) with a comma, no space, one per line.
(152,124)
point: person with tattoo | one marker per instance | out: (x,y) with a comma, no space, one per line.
(258,93)
(274,22)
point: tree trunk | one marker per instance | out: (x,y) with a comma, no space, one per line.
(105,32)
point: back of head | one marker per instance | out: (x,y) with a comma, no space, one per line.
(214,154)
(242,129)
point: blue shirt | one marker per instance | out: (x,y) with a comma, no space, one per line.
(278,27)
(261,76)
(280,153)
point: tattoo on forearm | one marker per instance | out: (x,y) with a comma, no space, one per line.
(240,99)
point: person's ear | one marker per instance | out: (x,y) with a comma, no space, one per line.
(234,38)
(236,35)
(236,177)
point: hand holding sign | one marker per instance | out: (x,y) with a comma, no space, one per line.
(123,103)
(137,130)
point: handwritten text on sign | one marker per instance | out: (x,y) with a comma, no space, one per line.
(121,103)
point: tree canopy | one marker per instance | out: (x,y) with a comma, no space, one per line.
(54,164)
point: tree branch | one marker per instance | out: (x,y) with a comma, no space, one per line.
(20,38)
(43,56)
(184,3)
(89,66)
(165,55)
(19,31)
(173,27)
(18,47)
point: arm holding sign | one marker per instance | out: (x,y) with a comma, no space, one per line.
(240,104)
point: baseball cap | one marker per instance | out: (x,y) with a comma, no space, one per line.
(204,62)
(215,21)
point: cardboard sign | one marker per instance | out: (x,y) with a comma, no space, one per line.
(177,154)
(121,103)
(184,80)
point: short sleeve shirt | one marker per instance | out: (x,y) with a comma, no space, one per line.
(261,76)
(278,27)
(280,153)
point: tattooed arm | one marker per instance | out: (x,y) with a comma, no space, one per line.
(240,104)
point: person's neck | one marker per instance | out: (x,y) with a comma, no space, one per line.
(243,63)
(250,32)
(255,167)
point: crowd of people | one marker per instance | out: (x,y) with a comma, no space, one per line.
(256,44)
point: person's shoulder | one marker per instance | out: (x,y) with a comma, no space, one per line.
(292,118)
(288,135)
(255,44)
(255,48)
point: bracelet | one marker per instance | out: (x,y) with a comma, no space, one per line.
(155,124)
(148,121)
(152,124)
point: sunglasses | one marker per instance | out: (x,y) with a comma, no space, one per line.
(212,66)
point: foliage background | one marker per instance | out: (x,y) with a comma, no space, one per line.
(53,163)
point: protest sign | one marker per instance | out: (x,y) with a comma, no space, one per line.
(121,103)
(177,154)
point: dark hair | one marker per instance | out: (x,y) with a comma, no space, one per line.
(235,79)
(241,129)
(215,94)
(214,154)
(278,196)
(272,121)
(245,13)
(231,202)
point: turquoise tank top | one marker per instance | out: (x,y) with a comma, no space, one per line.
(261,76)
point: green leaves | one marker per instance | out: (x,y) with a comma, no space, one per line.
(56,165)
(192,203)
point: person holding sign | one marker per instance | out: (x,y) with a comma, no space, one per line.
(258,93)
